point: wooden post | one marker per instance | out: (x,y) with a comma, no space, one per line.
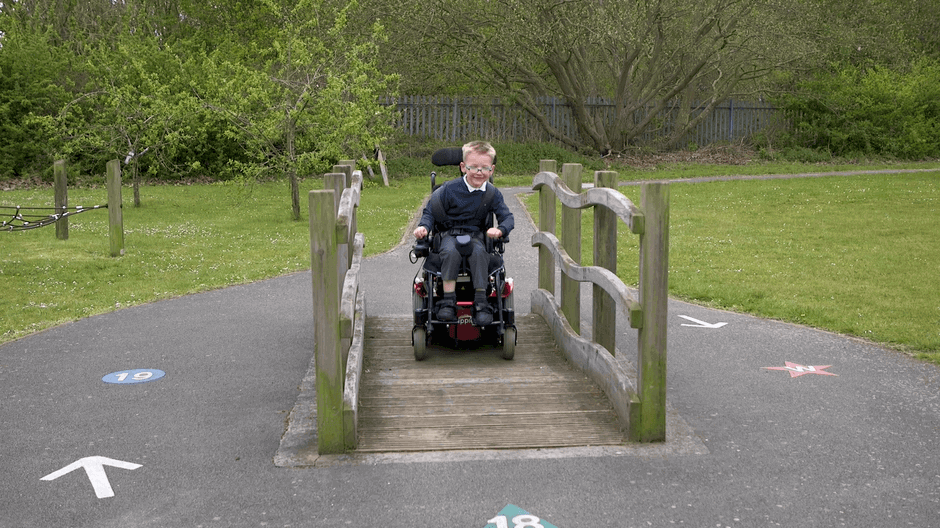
(336,183)
(328,356)
(382,167)
(61,199)
(547,224)
(648,424)
(349,168)
(604,309)
(571,241)
(115,211)
(346,167)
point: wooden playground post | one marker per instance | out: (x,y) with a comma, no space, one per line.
(61,199)
(115,212)
(604,309)
(571,240)
(547,224)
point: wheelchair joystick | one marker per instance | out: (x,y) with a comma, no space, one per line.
(422,247)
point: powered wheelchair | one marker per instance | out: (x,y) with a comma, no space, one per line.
(427,288)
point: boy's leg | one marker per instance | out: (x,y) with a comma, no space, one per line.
(450,266)
(479,272)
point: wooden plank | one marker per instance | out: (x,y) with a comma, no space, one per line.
(473,399)
(570,390)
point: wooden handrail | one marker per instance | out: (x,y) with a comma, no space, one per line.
(347,303)
(609,198)
(338,307)
(346,216)
(642,408)
(606,279)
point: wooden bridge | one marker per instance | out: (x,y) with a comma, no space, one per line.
(474,399)
(560,390)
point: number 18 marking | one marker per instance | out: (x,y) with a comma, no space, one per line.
(519,521)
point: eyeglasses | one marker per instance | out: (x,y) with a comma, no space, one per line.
(485,168)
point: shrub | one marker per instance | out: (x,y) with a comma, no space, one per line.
(873,111)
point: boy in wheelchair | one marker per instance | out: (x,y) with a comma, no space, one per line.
(458,212)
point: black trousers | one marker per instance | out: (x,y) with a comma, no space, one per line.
(478,261)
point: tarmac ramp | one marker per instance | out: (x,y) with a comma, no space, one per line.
(460,399)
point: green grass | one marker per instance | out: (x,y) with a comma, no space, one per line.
(671,171)
(183,239)
(855,255)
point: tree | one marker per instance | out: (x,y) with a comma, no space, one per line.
(136,105)
(113,82)
(308,97)
(641,56)
(31,86)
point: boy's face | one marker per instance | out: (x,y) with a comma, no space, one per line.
(471,167)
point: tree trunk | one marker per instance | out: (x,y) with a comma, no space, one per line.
(292,170)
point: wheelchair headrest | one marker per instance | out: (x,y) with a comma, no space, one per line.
(449,156)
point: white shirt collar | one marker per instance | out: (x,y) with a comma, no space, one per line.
(471,188)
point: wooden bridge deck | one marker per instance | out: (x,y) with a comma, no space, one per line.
(474,399)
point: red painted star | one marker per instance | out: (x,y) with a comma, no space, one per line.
(796,369)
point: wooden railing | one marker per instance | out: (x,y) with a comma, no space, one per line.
(338,307)
(641,409)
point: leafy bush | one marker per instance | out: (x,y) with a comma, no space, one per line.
(523,158)
(30,67)
(877,110)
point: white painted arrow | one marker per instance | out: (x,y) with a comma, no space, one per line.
(94,468)
(701,324)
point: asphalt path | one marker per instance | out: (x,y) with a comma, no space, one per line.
(747,445)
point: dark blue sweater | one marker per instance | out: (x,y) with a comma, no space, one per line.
(460,206)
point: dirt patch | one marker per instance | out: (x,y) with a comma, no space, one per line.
(708,155)
(33,182)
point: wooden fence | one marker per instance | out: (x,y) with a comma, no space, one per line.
(643,409)
(338,307)
(454,119)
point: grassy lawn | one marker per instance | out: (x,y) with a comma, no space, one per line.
(856,255)
(183,239)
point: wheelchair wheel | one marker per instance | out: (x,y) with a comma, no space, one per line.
(419,337)
(509,343)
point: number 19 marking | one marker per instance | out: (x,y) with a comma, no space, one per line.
(133,376)
(140,376)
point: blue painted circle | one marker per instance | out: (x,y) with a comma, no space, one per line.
(125,377)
